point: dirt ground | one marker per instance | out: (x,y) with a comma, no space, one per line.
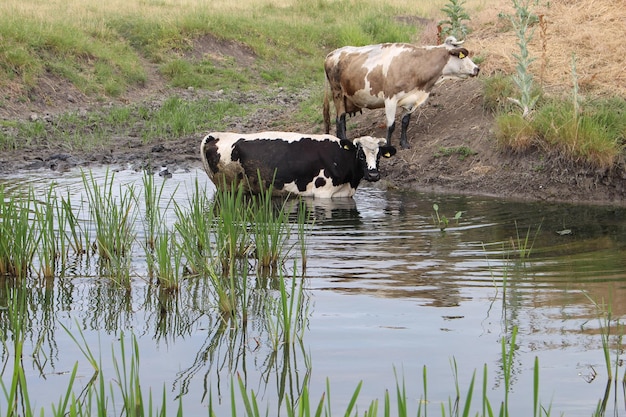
(452,120)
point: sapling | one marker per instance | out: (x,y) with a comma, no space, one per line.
(454,25)
(522,22)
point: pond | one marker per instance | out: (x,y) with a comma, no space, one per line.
(390,297)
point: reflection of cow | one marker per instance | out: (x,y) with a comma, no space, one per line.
(308,165)
(340,212)
(389,75)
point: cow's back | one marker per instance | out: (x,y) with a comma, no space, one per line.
(292,162)
(380,67)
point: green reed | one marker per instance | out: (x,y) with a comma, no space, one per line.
(111,216)
(453,407)
(605,317)
(19,236)
(232,237)
(114,222)
(305,223)
(291,310)
(270,228)
(128,380)
(231,291)
(154,216)
(60,218)
(525,243)
(16,393)
(507,369)
(196,228)
(76,234)
(168,256)
(214,234)
(48,250)
(96,398)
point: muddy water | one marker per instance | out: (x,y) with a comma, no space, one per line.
(389,297)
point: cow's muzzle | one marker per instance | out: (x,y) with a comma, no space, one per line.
(372,175)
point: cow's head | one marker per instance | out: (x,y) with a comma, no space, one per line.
(459,65)
(368,152)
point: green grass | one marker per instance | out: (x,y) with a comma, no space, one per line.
(106,59)
(105,53)
(589,132)
(523,245)
(175,118)
(595,136)
(461,152)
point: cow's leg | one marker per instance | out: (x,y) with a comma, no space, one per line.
(341,127)
(390,115)
(404,144)
(390,129)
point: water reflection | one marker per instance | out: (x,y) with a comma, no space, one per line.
(384,287)
(337,212)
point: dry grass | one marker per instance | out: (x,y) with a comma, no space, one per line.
(593,30)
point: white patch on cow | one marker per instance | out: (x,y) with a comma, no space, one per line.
(458,68)
(370,147)
(391,105)
(412,100)
(327,191)
(378,55)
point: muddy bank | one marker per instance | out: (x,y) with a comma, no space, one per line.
(452,150)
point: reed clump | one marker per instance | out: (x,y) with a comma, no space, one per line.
(222,237)
(20,239)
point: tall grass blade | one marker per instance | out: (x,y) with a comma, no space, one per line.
(353,399)
(468,398)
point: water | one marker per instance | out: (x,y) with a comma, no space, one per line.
(389,295)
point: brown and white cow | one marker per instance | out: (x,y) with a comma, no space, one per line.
(389,75)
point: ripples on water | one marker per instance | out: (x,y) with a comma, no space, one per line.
(387,292)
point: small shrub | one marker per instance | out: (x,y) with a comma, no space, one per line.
(454,25)
(514,132)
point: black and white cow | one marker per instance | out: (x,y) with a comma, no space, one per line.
(308,165)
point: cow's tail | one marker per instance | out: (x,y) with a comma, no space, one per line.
(327,93)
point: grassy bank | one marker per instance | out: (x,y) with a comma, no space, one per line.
(119,52)
(103,48)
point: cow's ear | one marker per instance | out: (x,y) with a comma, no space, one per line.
(459,52)
(347,145)
(387,151)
